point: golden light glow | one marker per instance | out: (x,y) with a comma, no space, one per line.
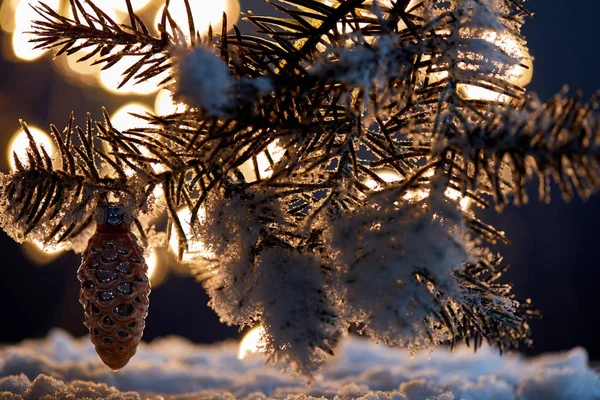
(157,267)
(434,76)
(195,248)
(111,78)
(56,249)
(123,120)
(401,24)
(7,14)
(413,3)
(264,166)
(252,342)
(85,67)
(164,104)
(23,16)
(454,194)
(39,254)
(389,175)
(108,7)
(151,261)
(135,4)
(517,74)
(19,143)
(205,13)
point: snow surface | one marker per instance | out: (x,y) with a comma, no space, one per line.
(62,367)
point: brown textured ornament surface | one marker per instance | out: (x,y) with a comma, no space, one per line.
(114,292)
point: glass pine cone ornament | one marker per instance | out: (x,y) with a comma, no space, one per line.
(114,287)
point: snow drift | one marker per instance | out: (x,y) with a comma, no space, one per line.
(63,367)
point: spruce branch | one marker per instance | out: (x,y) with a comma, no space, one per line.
(556,140)
(101,38)
(53,200)
(334,97)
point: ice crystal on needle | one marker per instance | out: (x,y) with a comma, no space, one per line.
(325,164)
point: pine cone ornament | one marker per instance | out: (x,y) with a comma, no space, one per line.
(114,287)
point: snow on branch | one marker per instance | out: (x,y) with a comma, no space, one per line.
(302,327)
(235,225)
(559,139)
(399,266)
(353,118)
(52,200)
(92,32)
(203,80)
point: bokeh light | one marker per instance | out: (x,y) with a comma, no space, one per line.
(389,175)
(7,15)
(19,143)
(264,166)
(120,5)
(122,119)
(205,12)
(157,269)
(16,17)
(196,248)
(111,78)
(24,14)
(151,262)
(109,7)
(164,104)
(39,254)
(252,342)
(86,67)
(34,250)
(520,75)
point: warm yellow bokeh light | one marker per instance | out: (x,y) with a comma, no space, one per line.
(82,68)
(204,12)
(39,254)
(85,67)
(108,7)
(111,78)
(19,143)
(164,104)
(56,249)
(252,342)
(455,195)
(151,262)
(264,166)
(413,3)
(24,15)
(7,15)
(158,270)
(195,248)
(389,175)
(123,120)
(517,74)
(120,5)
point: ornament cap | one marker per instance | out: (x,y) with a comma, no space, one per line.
(112,214)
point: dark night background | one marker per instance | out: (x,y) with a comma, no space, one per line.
(554,247)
